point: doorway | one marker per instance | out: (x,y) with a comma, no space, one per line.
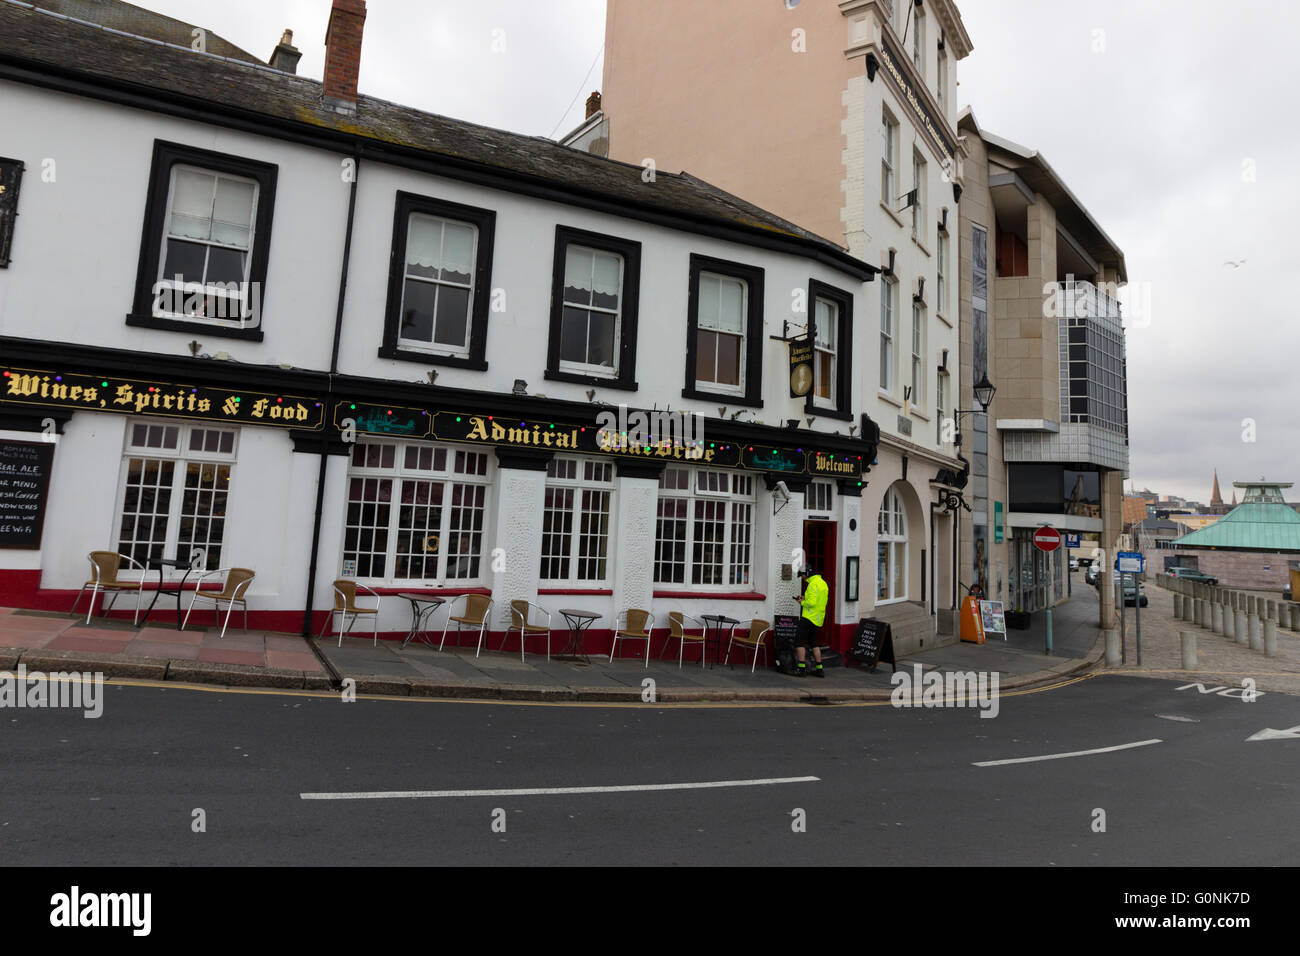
(819,548)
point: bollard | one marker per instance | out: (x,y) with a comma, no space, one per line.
(1242,629)
(1112,648)
(1276,611)
(1270,611)
(1188,639)
(1178,607)
(1229,622)
(1294,613)
(1256,633)
(1270,639)
(1195,616)
(1216,618)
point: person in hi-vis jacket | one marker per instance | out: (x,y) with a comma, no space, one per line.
(813,604)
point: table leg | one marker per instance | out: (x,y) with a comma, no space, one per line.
(180,593)
(149,609)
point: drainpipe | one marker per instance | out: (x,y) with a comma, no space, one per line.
(329,403)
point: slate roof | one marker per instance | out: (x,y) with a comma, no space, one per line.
(237,92)
(116,15)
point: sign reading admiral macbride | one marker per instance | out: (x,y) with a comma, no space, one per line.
(111,394)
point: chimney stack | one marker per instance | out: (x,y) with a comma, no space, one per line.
(343,54)
(593,104)
(285,57)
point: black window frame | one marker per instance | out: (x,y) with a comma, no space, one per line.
(630,250)
(844,351)
(484,220)
(166,156)
(754,277)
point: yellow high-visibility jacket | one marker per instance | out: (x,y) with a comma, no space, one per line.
(814,600)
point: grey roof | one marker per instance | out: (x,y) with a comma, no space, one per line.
(293,104)
(116,15)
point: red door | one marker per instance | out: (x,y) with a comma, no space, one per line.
(819,548)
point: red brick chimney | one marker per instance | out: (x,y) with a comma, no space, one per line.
(593,105)
(343,54)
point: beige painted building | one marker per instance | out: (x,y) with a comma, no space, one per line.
(1040,318)
(841,117)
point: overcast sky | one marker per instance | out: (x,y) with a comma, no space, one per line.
(1169,119)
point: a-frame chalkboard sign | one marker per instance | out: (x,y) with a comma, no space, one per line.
(873,643)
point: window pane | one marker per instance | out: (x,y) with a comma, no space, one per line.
(417,311)
(226,265)
(423,245)
(184,260)
(577,276)
(607,273)
(706,356)
(453,316)
(710,297)
(457,253)
(729,359)
(192,203)
(731,310)
(600,344)
(573,335)
(234,204)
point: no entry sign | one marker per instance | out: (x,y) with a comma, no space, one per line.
(1047,539)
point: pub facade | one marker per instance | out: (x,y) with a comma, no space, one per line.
(253,320)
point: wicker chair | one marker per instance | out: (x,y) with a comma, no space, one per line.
(477,608)
(519,611)
(104,566)
(345,603)
(637,626)
(236,586)
(755,640)
(677,631)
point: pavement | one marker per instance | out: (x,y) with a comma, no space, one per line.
(49,641)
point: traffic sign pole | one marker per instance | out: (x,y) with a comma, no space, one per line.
(1047,539)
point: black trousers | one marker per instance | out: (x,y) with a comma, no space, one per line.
(807,635)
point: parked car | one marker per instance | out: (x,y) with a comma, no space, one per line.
(1090,575)
(1074,564)
(1192,574)
(1134,593)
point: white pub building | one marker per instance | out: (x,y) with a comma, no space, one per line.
(252,320)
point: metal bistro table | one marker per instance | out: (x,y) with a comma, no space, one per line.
(423,607)
(718,622)
(579,621)
(158,564)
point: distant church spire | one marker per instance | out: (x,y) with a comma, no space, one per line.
(1216,497)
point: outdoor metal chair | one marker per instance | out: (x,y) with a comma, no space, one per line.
(756,640)
(477,607)
(104,566)
(638,625)
(519,612)
(345,603)
(236,586)
(678,623)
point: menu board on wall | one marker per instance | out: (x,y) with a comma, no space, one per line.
(24,485)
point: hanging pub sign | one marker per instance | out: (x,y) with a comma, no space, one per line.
(801,366)
(50,389)
(11,177)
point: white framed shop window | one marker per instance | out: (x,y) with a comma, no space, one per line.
(173,491)
(416,514)
(704,530)
(575,522)
(891,551)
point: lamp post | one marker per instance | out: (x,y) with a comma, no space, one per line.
(984,391)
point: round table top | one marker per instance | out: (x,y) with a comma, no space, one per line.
(426,598)
(719,618)
(573,612)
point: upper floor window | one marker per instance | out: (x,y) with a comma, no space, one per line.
(918,201)
(594,309)
(832,317)
(888,159)
(439,283)
(888,308)
(918,355)
(206,243)
(940,407)
(918,41)
(941,82)
(724,337)
(941,301)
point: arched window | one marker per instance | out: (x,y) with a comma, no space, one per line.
(891,551)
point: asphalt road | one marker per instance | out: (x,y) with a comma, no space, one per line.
(896,786)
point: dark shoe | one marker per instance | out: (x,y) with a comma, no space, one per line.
(819,672)
(801,672)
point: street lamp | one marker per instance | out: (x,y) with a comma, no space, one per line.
(984,391)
